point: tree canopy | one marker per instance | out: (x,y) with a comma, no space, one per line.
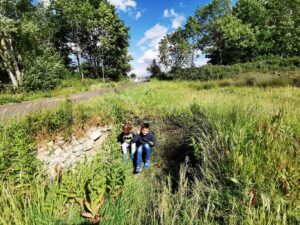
(85,34)
(228,35)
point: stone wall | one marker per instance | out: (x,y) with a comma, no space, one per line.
(61,154)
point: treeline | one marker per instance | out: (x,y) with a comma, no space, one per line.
(42,44)
(227,35)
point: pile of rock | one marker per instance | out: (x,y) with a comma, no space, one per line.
(61,154)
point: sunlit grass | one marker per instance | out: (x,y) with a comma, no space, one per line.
(258,131)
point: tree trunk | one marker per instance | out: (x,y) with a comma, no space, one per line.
(10,62)
(96,67)
(14,61)
(13,79)
(103,75)
(78,54)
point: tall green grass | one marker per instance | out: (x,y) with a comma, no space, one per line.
(225,155)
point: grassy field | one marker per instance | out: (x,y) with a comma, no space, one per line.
(66,87)
(226,154)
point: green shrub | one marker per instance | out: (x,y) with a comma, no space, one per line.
(217,72)
(43,73)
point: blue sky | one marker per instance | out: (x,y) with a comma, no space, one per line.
(149,21)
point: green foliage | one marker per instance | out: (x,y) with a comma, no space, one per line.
(216,72)
(238,34)
(97,35)
(175,51)
(25,43)
(230,41)
(34,38)
(60,119)
(44,73)
(133,76)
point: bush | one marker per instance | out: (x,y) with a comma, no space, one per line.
(216,72)
(43,73)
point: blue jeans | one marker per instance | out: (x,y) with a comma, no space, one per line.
(139,155)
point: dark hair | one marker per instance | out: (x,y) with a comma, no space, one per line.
(146,125)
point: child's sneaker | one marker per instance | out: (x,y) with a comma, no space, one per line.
(147,165)
(138,170)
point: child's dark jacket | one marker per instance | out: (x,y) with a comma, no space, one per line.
(141,139)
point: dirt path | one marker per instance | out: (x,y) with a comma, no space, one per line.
(21,109)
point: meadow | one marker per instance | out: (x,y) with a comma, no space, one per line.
(227,153)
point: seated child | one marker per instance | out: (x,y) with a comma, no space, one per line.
(145,141)
(125,138)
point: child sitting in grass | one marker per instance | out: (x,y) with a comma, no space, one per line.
(126,138)
(145,141)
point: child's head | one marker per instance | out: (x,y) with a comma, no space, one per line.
(126,128)
(145,128)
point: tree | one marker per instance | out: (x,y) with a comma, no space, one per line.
(24,35)
(275,23)
(9,27)
(192,32)
(154,69)
(133,76)
(111,46)
(176,51)
(285,26)
(164,57)
(251,29)
(72,18)
(94,33)
(230,41)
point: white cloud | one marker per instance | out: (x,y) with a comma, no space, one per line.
(200,59)
(182,5)
(170,13)
(149,45)
(123,4)
(156,32)
(140,65)
(139,70)
(148,56)
(143,48)
(176,23)
(138,15)
(177,19)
